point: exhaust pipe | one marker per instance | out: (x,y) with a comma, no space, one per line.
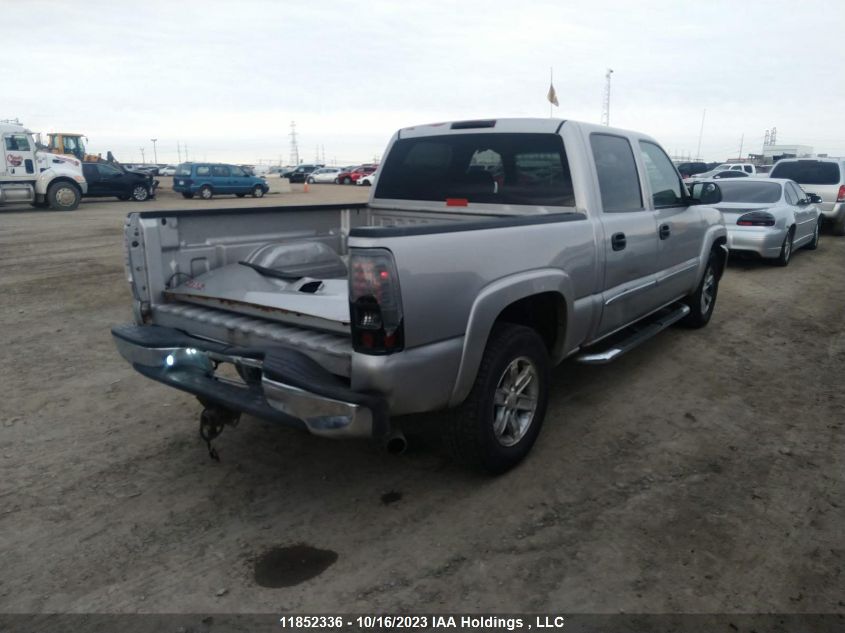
(395,443)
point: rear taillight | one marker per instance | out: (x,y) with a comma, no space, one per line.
(756,218)
(840,197)
(375,302)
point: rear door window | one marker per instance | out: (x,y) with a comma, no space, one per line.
(808,172)
(619,182)
(203,170)
(220,171)
(506,168)
(665,184)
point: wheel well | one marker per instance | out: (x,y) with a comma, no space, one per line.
(545,313)
(70,181)
(719,248)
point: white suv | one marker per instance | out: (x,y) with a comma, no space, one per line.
(824,177)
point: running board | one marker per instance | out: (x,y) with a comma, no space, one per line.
(633,339)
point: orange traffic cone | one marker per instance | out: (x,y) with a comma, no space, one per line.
(305,188)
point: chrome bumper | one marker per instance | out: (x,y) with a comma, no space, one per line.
(193,369)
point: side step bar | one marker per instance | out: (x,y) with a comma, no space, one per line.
(634,338)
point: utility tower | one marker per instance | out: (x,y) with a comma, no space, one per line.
(605,106)
(294,148)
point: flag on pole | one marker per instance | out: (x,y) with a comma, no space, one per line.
(552,96)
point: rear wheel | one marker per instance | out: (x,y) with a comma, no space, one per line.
(337,181)
(814,243)
(498,423)
(63,196)
(785,249)
(702,302)
(839,226)
(347,180)
(187,195)
(258,191)
(206,192)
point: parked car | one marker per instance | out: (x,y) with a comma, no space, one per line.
(350,177)
(112,179)
(338,318)
(692,168)
(167,170)
(324,174)
(822,176)
(768,218)
(367,180)
(746,169)
(211,179)
(733,173)
(300,173)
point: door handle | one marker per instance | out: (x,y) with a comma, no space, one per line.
(665,231)
(618,241)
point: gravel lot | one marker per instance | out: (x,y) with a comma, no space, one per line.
(701,473)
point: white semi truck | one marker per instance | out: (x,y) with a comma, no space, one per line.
(37,177)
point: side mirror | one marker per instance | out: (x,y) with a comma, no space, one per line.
(814,198)
(705,193)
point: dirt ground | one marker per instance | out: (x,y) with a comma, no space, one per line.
(703,472)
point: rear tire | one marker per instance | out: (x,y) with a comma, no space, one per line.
(63,196)
(337,181)
(839,226)
(814,243)
(703,301)
(498,423)
(347,181)
(206,193)
(785,249)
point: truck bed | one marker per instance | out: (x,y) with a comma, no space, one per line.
(195,282)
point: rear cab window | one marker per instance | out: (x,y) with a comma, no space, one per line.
(808,172)
(499,168)
(619,182)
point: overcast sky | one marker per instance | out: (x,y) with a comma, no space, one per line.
(227,78)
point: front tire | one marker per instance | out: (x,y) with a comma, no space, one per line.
(310,181)
(258,191)
(206,193)
(140,193)
(498,423)
(703,301)
(63,196)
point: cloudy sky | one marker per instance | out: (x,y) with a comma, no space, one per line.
(227,78)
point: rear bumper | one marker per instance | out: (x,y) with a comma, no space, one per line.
(765,242)
(285,386)
(832,211)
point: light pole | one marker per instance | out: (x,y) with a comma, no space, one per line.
(143,160)
(155,154)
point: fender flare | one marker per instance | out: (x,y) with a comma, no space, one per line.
(716,237)
(489,304)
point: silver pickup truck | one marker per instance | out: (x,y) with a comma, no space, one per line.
(489,252)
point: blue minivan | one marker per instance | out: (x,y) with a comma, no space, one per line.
(210,179)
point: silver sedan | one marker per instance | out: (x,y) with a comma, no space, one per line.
(769,218)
